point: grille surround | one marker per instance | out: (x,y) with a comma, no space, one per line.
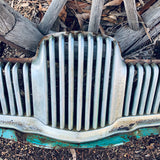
(115,106)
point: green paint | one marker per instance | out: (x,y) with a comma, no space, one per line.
(45,142)
(115,140)
(8,134)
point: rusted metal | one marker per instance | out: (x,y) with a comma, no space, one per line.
(142,61)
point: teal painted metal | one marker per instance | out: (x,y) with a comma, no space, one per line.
(8,134)
(45,142)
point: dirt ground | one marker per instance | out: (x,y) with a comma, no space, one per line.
(144,148)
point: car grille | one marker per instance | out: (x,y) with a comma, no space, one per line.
(78,88)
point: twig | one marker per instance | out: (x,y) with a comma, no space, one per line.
(145,28)
(73,152)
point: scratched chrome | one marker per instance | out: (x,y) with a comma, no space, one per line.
(79,89)
(2,94)
(40,85)
(16,89)
(26,89)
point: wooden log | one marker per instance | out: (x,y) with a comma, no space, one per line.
(51,15)
(130,7)
(17,29)
(95,17)
(130,40)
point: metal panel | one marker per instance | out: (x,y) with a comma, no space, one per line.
(145,89)
(89,81)
(16,89)
(80,80)
(10,89)
(129,87)
(97,81)
(53,81)
(71,81)
(153,88)
(122,125)
(2,94)
(138,89)
(106,80)
(62,81)
(118,82)
(26,89)
(40,85)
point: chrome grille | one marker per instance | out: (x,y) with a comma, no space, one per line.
(78,88)
(144,91)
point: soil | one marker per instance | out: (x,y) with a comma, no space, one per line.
(144,148)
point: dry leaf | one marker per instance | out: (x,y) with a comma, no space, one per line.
(63,14)
(78,6)
(24,4)
(113,3)
(82,17)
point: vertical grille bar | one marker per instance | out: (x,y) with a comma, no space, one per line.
(97,81)
(10,89)
(16,89)
(2,95)
(89,81)
(26,89)
(145,88)
(129,90)
(62,81)
(157,98)
(106,81)
(71,81)
(40,85)
(138,89)
(80,80)
(118,83)
(53,81)
(153,88)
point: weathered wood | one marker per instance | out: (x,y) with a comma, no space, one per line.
(7,20)
(18,29)
(96,12)
(130,40)
(51,15)
(130,7)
